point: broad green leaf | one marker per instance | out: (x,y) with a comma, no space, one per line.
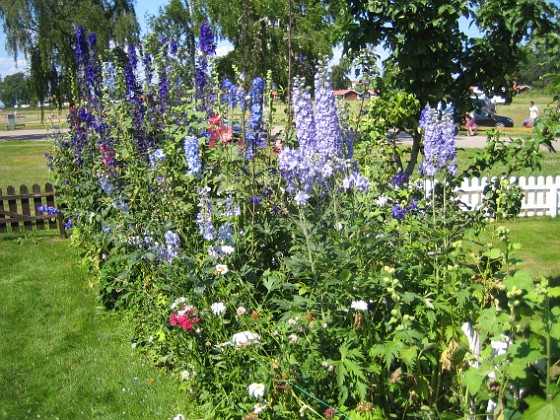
(521,280)
(540,409)
(493,253)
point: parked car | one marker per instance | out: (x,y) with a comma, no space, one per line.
(485,118)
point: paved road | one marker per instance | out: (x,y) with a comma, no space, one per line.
(24,134)
(42,134)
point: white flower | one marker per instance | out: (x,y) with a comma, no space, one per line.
(221,269)
(228,249)
(256,390)
(218,308)
(292,321)
(293,338)
(327,366)
(241,311)
(359,305)
(259,407)
(245,338)
(185,309)
(302,410)
(382,200)
(186,375)
(178,301)
(179,417)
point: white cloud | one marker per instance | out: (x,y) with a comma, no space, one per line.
(337,55)
(8,66)
(223,48)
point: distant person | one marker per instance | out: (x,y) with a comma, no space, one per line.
(469,123)
(533,114)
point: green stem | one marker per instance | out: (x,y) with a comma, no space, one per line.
(307,242)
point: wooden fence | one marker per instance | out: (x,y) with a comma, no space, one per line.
(540,194)
(18,211)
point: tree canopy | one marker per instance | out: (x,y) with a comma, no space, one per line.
(14,90)
(44,32)
(285,36)
(433,58)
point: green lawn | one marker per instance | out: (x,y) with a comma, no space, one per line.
(540,244)
(23,162)
(61,356)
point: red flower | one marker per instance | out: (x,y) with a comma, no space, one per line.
(218,131)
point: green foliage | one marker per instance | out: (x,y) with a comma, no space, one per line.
(44,31)
(430,55)
(62,355)
(341,304)
(14,90)
(286,37)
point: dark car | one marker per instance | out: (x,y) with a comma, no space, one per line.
(484,118)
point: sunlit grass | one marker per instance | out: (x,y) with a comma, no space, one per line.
(23,162)
(62,356)
(540,241)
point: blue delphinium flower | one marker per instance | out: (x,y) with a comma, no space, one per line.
(320,154)
(69,224)
(255,133)
(301,198)
(148,68)
(355,180)
(398,212)
(207,45)
(207,49)
(439,144)
(255,199)
(106,185)
(172,238)
(413,205)
(134,96)
(49,210)
(157,156)
(327,126)
(81,50)
(305,122)
(204,216)
(399,179)
(92,68)
(194,163)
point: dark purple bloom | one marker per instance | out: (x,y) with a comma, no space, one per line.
(206,39)
(255,199)
(399,179)
(413,206)
(398,212)
(69,224)
(173,47)
(82,49)
(92,38)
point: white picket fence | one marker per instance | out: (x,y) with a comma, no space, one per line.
(540,199)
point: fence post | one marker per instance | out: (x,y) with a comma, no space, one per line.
(553,199)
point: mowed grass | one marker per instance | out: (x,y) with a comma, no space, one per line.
(23,162)
(540,245)
(61,356)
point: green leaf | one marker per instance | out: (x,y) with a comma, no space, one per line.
(521,280)
(540,409)
(493,253)
(555,331)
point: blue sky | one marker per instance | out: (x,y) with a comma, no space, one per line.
(9,66)
(143,8)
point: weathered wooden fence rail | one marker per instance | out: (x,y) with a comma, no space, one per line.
(18,211)
(540,194)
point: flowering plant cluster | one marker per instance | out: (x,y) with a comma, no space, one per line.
(281,286)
